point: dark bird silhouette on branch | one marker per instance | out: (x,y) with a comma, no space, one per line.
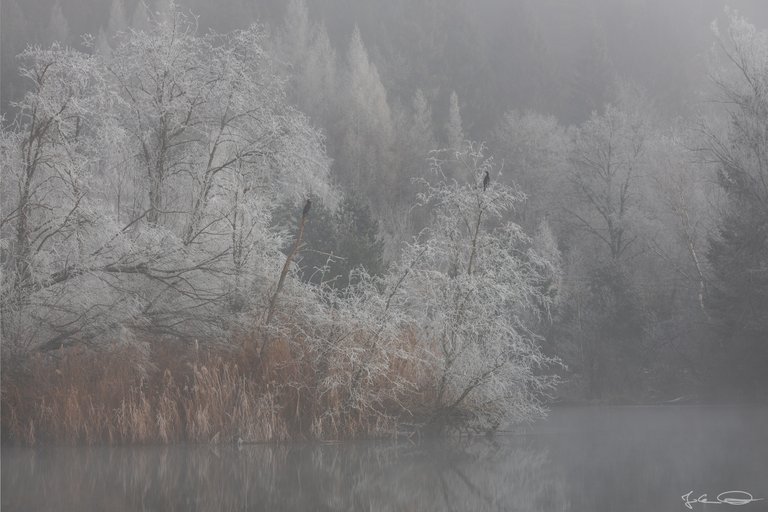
(307,206)
(486,180)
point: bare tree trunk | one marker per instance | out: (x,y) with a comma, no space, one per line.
(22,251)
(284,273)
(700,274)
(474,242)
(155,194)
(690,242)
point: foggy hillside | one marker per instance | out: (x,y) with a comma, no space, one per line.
(556,57)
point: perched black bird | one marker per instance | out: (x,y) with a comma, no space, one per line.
(486,180)
(307,206)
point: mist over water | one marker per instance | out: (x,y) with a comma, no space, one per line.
(580,459)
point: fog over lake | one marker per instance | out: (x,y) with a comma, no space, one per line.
(580,458)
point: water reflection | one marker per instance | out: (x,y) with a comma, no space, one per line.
(580,459)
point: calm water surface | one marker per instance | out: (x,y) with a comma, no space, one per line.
(590,459)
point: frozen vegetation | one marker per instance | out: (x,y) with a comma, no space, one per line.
(253,235)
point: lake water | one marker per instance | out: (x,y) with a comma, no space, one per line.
(589,459)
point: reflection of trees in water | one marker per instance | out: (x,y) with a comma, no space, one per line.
(506,474)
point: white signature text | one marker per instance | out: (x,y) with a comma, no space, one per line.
(724,498)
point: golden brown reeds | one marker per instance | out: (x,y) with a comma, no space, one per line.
(172,393)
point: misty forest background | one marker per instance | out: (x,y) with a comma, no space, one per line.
(154,175)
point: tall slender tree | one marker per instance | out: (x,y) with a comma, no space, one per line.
(367,120)
(117,21)
(58,27)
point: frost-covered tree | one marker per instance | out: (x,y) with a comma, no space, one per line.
(50,155)
(295,36)
(607,159)
(738,251)
(117,21)
(534,149)
(318,79)
(474,286)
(454,137)
(545,244)
(365,365)
(142,188)
(422,129)
(58,27)
(216,148)
(454,132)
(680,195)
(414,141)
(445,337)
(367,121)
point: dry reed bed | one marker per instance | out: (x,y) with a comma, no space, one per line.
(169,393)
